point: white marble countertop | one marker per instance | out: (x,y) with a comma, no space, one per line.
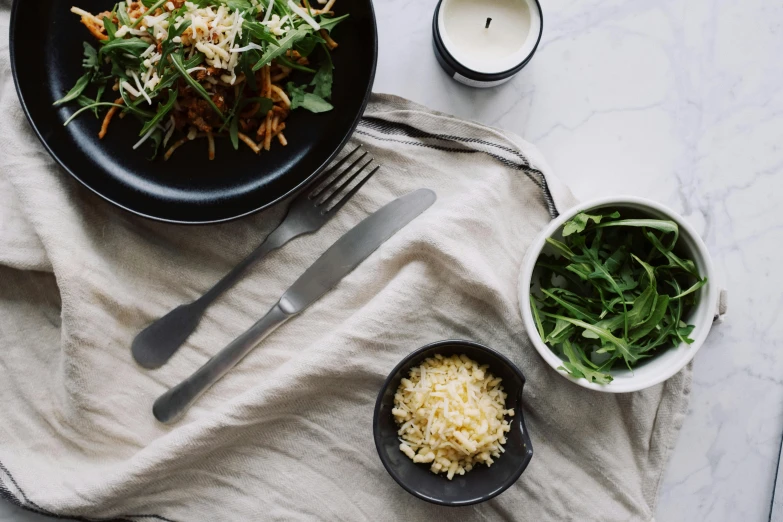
(681,102)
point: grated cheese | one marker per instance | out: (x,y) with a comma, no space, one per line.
(276,25)
(303,15)
(451,413)
(268,10)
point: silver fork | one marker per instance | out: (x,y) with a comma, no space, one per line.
(311,210)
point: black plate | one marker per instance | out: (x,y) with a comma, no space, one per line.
(46,54)
(481,483)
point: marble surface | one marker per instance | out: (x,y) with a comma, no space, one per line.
(681,102)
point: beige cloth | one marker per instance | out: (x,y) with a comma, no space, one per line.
(287,435)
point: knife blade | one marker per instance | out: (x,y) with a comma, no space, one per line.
(336,263)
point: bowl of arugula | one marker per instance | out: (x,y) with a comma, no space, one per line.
(618,294)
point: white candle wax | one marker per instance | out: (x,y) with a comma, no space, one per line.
(500,47)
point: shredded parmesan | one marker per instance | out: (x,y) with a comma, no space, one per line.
(451,413)
(269,10)
(306,17)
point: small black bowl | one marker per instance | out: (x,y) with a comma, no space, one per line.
(480,484)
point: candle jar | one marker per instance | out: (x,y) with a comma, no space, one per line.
(484,43)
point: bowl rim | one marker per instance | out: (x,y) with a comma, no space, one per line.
(525,433)
(531,257)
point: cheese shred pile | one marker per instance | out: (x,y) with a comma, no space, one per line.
(451,414)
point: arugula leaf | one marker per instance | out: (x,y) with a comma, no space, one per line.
(171,75)
(323,81)
(537,318)
(169,45)
(602,333)
(90,57)
(307,45)
(581,220)
(654,319)
(122,14)
(615,261)
(133,106)
(575,367)
(649,270)
(118,71)
(77,90)
(264,106)
(92,64)
(293,65)
(90,107)
(578,311)
(111,27)
(258,31)
(241,5)
(329,23)
(156,138)
(84,101)
(177,61)
(150,9)
(561,247)
(132,45)
(307,100)
(692,289)
(281,46)
(99,95)
(560,333)
(686,265)
(163,111)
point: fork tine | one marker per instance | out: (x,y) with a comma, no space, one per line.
(337,179)
(354,190)
(326,175)
(344,185)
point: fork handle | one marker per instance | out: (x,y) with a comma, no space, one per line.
(275,240)
(174,403)
(154,346)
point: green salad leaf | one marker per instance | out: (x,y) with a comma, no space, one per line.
(179,64)
(91,60)
(281,46)
(163,111)
(242,5)
(76,90)
(581,220)
(328,24)
(613,292)
(323,81)
(307,100)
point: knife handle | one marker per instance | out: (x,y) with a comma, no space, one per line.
(174,403)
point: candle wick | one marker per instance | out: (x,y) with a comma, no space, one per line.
(489,20)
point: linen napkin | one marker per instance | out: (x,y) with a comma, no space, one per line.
(287,435)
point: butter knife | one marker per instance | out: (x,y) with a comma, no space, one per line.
(337,262)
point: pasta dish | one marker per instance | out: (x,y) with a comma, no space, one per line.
(205,69)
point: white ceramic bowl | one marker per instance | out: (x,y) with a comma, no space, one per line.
(664,365)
